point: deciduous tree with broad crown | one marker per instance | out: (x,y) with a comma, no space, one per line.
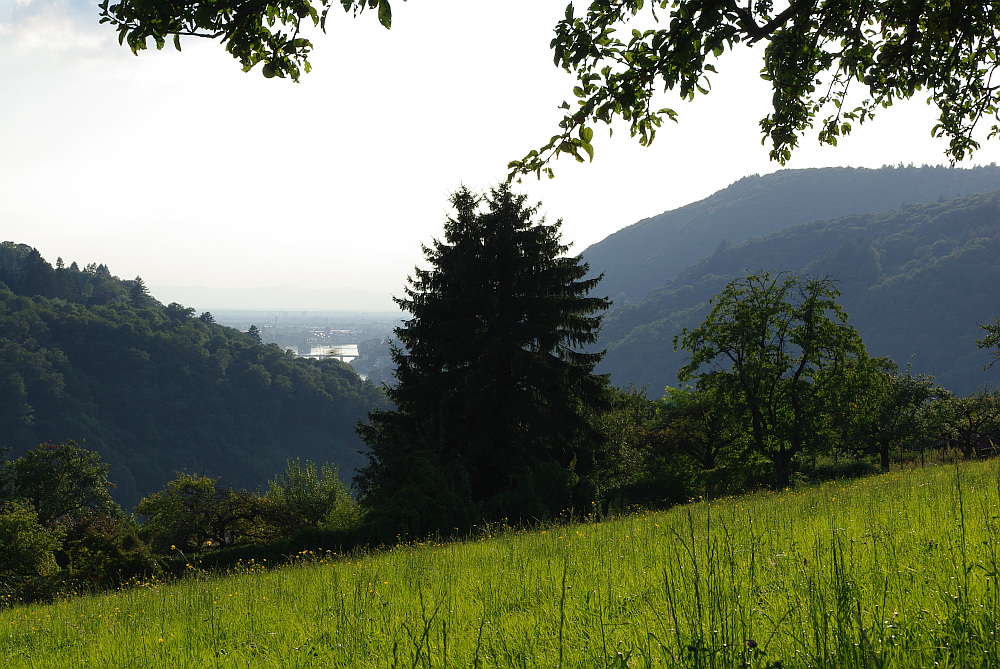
(493,389)
(63,479)
(774,349)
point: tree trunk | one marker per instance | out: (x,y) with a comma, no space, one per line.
(884,456)
(782,468)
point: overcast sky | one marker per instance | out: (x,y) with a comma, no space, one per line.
(183,169)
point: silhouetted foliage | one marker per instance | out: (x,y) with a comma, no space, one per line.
(969,422)
(178,312)
(492,389)
(101,550)
(139,294)
(814,52)
(696,431)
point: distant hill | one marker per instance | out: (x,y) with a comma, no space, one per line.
(648,254)
(157,389)
(915,281)
(283,298)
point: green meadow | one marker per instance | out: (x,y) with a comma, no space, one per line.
(897,570)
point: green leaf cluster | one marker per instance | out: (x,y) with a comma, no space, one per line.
(881,411)
(831,64)
(196,514)
(193,513)
(60,531)
(307,495)
(252,32)
(991,340)
(27,548)
(971,423)
(62,480)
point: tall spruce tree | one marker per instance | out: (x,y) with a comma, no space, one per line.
(492,385)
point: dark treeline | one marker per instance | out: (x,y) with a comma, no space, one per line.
(156,389)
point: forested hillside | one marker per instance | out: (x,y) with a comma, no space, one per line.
(646,255)
(155,389)
(915,281)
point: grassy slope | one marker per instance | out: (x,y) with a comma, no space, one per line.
(895,571)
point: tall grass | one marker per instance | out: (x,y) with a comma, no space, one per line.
(898,570)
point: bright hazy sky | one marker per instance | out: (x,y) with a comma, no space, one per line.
(182,169)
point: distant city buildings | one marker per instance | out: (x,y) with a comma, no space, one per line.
(354,338)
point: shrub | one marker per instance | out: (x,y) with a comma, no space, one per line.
(61,479)
(305,495)
(27,549)
(193,513)
(101,550)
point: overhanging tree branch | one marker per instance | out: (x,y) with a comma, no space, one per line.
(813,51)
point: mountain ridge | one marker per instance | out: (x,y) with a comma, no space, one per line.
(647,254)
(915,281)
